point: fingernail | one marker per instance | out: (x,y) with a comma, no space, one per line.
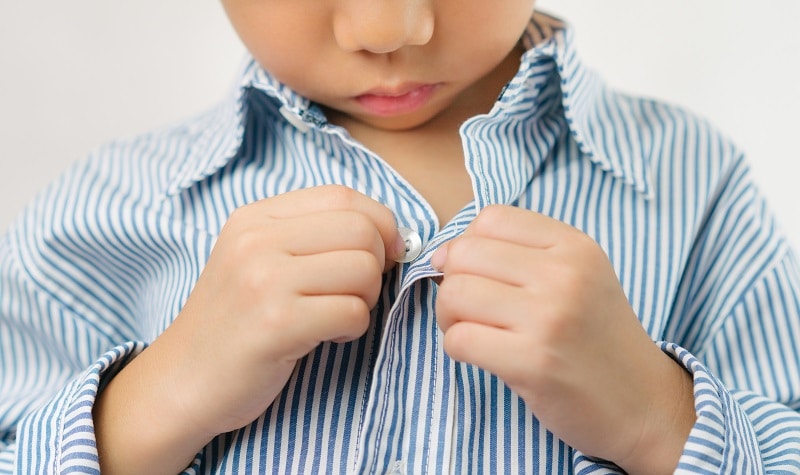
(438,257)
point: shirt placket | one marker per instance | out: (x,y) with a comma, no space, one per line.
(407,426)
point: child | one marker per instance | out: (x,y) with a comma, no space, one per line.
(421,237)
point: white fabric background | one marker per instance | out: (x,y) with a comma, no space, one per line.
(75,74)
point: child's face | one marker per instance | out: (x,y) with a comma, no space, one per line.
(391,64)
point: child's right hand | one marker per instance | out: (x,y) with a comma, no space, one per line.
(286,274)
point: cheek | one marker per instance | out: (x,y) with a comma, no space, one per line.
(304,70)
(281,36)
(288,59)
(483,25)
(292,57)
(479,50)
(280,61)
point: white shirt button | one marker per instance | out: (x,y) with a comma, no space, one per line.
(413,244)
(294,119)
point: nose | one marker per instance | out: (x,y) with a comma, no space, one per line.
(382,26)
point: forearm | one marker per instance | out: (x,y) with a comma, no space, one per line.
(140,424)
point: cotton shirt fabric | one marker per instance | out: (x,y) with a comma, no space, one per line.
(101,263)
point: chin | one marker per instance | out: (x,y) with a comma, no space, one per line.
(398,123)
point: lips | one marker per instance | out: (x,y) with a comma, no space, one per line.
(405,99)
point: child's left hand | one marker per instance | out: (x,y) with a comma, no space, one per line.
(537,303)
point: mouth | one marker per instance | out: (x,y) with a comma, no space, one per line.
(387,102)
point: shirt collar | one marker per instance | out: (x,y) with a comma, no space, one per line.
(602,123)
(605,124)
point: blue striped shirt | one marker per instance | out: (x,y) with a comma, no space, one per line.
(102,261)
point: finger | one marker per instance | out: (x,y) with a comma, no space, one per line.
(499,351)
(469,298)
(329,318)
(503,261)
(355,273)
(329,231)
(333,198)
(525,227)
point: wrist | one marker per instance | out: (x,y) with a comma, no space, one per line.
(670,417)
(139,424)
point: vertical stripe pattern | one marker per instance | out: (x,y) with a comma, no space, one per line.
(103,260)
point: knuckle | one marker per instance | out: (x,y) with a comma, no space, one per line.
(339,196)
(457,343)
(558,325)
(236,224)
(489,218)
(568,277)
(585,247)
(450,295)
(361,230)
(240,214)
(251,261)
(253,282)
(462,249)
(278,319)
(366,263)
(244,244)
(235,249)
(354,315)
(373,293)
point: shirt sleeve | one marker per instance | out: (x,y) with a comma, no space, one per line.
(736,329)
(59,436)
(50,373)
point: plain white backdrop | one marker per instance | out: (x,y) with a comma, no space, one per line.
(76,74)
